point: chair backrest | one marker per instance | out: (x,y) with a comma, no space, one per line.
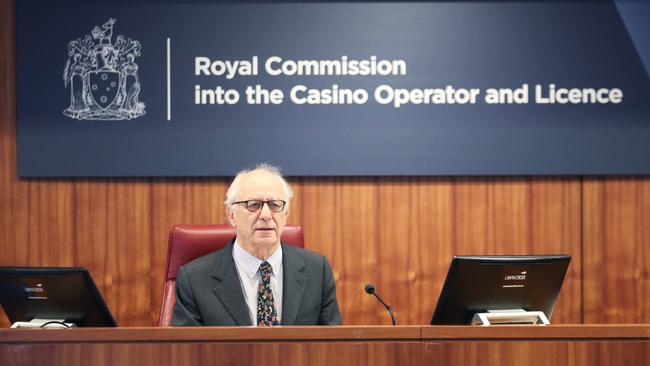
(188,242)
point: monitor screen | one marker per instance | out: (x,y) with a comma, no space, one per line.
(476,284)
(28,293)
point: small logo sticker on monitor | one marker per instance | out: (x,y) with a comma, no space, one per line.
(34,290)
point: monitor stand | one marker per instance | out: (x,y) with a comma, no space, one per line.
(43,323)
(509,317)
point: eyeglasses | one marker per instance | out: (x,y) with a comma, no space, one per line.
(256,205)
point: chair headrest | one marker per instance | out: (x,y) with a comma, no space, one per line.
(188,242)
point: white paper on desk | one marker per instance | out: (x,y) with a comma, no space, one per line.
(38,323)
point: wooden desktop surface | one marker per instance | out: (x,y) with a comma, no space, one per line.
(346,345)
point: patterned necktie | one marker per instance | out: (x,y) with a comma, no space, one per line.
(266,315)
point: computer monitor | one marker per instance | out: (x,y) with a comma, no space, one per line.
(70,294)
(478,284)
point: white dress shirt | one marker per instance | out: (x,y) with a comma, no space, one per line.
(249,277)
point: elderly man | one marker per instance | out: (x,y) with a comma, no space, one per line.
(256,280)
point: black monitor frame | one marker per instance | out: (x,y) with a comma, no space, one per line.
(28,293)
(476,284)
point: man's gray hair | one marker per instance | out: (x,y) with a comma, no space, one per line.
(234,186)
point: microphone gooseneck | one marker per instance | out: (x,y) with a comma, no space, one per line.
(370,290)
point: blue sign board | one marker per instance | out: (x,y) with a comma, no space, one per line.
(148,88)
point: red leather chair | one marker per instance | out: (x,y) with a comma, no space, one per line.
(188,242)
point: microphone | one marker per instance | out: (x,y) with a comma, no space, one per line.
(370,290)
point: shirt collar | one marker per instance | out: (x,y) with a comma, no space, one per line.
(251,264)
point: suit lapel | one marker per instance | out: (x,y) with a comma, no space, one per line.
(228,289)
(294,285)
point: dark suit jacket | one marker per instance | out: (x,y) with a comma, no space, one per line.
(208,291)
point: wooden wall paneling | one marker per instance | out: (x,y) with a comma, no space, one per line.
(129,230)
(556,218)
(187,201)
(37,213)
(594,253)
(437,218)
(8,192)
(179,201)
(168,206)
(50,227)
(469,216)
(339,217)
(15,216)
(360,250)
(93,248)
(207,200)
(508,215)
(415,235)
(38,219)
(398,265)
(431,226)
(500,216)
(617,258)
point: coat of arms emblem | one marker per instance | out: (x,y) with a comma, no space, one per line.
(103,77)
